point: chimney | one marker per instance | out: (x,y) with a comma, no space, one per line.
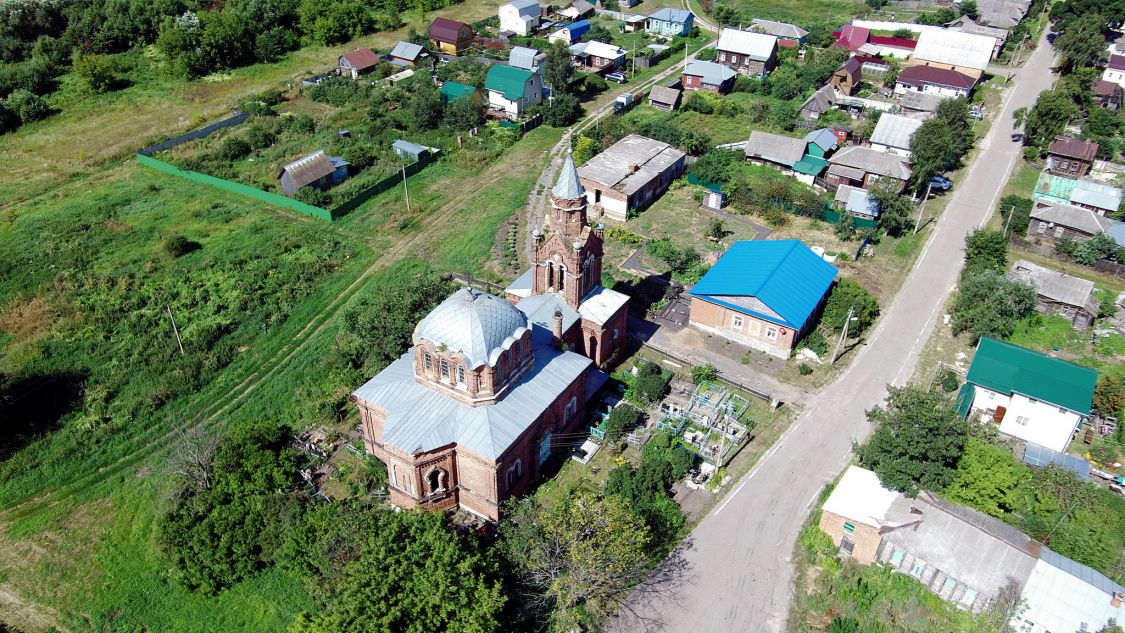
(634,168)
(556,325)
(1115,600)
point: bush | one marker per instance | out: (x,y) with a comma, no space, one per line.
(96,71)
(704,373)
(620,419)
(679,260)
(178,245)
(700,102)
(260,137)
(816,342)
(232,148)
(28,106)
(261,104)
(987,303)
(816,542)
(846,296)
(949,381)
(804,369)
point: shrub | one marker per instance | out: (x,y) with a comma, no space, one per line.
(816,542)
(949,381)
(620,419)
(178,245)
(260,137)
(700,102)
(96,71)
(804,369)
(816,342)
(232,148)
(704,373)
(28,106)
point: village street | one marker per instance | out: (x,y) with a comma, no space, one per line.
(740,578)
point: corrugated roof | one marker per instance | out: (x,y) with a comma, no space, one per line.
(568,186)
(852,37)
(361,58)
(1096,194)
(932,75)
(510,82)
(710,72)
(421,419)
(406,50)
(1116,62)
(1053,284)
(1063,595)
(445,30)
(820,101)
(523,284)
(309,169)
(823,138)
(1041,456)
(678,16)
(780,29)
(895,131)
(523,57)
(540,309)
(475,325)
(921,101)
(1071,216)
(597,49)
(1073,148)
(1006,368)
(577,29)
(410,148)
(757,46)
(785,275)
(871,161)
(600,304)
(630,163)
(810,165)
(522,6)
(856,200)
(860,496)
(664,94)
(453,90)
(775,148)
(955,48)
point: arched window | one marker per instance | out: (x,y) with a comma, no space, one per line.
(445,369)
(571,409)
(550,275)
(435,480)
(428,361)
(562,278)
(515,471)
(460,374)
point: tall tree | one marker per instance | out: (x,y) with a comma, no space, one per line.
(988,478)
(1082,44)
(558,69)
(989,304)
(1051,113)
(894,209)
(917,441)
(848,296)
(985,249)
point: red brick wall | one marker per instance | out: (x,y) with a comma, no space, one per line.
(865,537)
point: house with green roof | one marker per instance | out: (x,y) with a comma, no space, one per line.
(452,91)
(512,90)
(1031,396)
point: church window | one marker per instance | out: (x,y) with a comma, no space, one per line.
(445,369)
(571,409)
(515,471)
(428,361)
(550,275)
(562,278)
(436,480)
(460,374)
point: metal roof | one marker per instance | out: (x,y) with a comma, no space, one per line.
(600,304)
(577,28)
(361,58)
(420,418)
(664,94)
(1041,456)
(1063,595)
(523,5)
(852,37)
(757,46)
(510,82)
(597,49)
(309,169)
(784,275)
(921,101)
(1073,148)
(1116,62)
(446,30)
(810,165)
(1006,368)
(823,138)
(871,161)
(710,73)
(406,50)
(1096,194)
(453,90)
(859,496)
(932,75)
(955,48)
(523,57)
(820,101)
(568,187)
(780,29)
(410,148)
(540,310)
(475,325)
(783,150)
(1053,284)
(678,16)
(630,163)
(856,200)
(894,130)
(523,284)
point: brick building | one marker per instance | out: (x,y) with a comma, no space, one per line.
(746,52)
(630,175)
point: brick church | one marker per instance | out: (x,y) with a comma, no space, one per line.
(469,415)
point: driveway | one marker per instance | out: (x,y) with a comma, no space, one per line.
(740,578)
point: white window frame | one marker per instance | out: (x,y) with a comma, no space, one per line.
(755,328)
(772,333)
(737,322)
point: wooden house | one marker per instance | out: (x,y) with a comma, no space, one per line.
(358,62)
(315,170)
(450,36)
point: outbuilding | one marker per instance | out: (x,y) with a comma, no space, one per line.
(317,170)
(630,175)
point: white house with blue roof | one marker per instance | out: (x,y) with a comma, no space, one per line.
(764,294)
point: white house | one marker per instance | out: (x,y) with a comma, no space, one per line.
(520,16)
(1033,397)
(513,90)
(1115,70)
(893,133)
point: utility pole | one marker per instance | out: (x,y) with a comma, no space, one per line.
(175,329)
(406,189)
(843,335)
(922,207)
(1007,222)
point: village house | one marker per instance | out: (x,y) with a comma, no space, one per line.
(1032,396)
(1107,94)
(818,103)
(1115,70)
(468,416)
(633,23)
(765,294)
(893,132)
(664,98)
(862,166)
(966,24)
(1099,197)
(966,557)
(965,53)
(450,36)
(708,76)
(746,52)
(317,170)
(578,9)
(856,202)
(671,22)
(520,17)
(407,54)
(933,80)
(1059,294)
(775,150)
(788,35)
(527,59)
(630,175)
(1071,157)
(846,78)
(570,33)
(597,57)
(860,41)
(1051,222)
(920,103)
(513,90)
(358,62)
(1002,14)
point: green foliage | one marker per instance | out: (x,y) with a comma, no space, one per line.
(463,114)
(940,17)
(848,295)
(816,542)
(646,488)
(579,558)
(377,327)
(338,91)
(1090,251)
(987,478)
(704,373)
(1109,395)
(233,509)
(969,8)
(562,110)
(95,71)
(584,149)
(232,148)
(1019,210)
(259,136)
(844,228)
(178,245)
(379,570)
(895,210)
(1053,110)
(804,369)
(620,419)
(28,106)
(816,342)
(558,70)
(1082,44)
(917,441)
(425,106)
(715,166)
(987,303)
(985,250)
(651,388)
(679,259)
(949,381)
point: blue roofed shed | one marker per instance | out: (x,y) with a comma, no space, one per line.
(765,294)
(410,151)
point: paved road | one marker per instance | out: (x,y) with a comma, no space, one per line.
(740,577)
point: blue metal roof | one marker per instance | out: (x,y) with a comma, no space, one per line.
(784,275)
(578,28)
(678,16)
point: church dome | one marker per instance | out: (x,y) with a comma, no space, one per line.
(474,324)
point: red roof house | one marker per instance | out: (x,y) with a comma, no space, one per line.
(934,80)
(356,63)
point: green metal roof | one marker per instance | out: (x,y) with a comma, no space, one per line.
(1006,368)
(508,81)
(965,398)
(452,90)
(811,165)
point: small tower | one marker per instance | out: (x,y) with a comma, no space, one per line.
(567,256)
(568,201)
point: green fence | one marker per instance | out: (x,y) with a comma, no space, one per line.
(827,214)
(234,187)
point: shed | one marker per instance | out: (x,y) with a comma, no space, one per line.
(410,151)
(314,170)
(451,91)
(356,63)
(406,53)
(664,98)
(1058,293)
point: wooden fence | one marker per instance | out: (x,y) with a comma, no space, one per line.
(1104,266)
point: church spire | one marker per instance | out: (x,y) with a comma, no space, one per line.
(568,186)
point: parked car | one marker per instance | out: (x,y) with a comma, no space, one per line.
(976,112)
(617,76)
(940,183)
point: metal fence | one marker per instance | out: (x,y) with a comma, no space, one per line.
(237,119)
(383,185)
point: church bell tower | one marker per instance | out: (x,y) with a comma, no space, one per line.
(568,254)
